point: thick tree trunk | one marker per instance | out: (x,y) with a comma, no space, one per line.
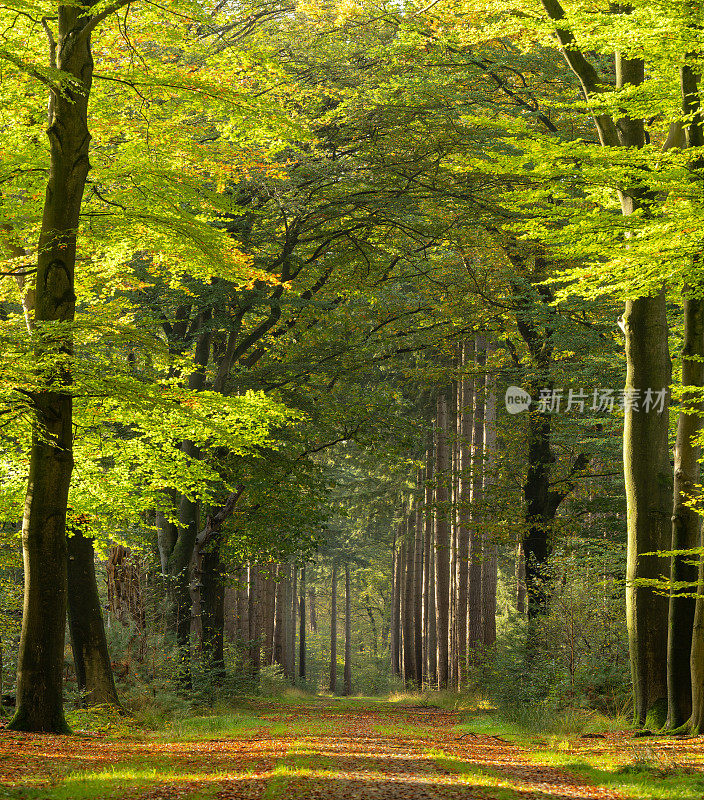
(442,544)
(694,137)
(302,626)
(41,650)
(648,493)
(90,648)
(686,522)
(645,436)
(348,633)
(332,685)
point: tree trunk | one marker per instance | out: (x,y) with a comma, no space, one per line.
(432,646)
(489,563)
(255,619)
(243,609)
(475,541)
(409,676)
(212,605)
(686,522)
(418,601)
(520,575)
(302,627)
(442,544)
(348,633)
(648,484)
(403,639)
(292,623)
(41,652)
(180,558)
(428,603)
(333,630)
(279,619)
(465,497)
(312,611)
(645,434)
(90,648)
(269,622)
(396,604)
(453,427)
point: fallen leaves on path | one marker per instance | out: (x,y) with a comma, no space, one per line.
(320,751)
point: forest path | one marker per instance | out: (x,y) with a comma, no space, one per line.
(344,750)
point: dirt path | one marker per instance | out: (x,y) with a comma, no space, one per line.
(317,750)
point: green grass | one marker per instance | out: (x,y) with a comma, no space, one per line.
(221,726)
(652,777)
(115,782)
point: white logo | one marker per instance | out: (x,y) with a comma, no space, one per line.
(516,399)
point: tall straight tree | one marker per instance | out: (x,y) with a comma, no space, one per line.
(41,651)
(687,530)
(428,602)
(465,498)
(475,542)
(332,685)
(348,634)
(646,456)
(418,595)
(302,626)
(489,562)
(409,673)
(442,542)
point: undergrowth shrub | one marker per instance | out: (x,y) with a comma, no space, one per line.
(575,656)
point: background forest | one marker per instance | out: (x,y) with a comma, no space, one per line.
(314,352)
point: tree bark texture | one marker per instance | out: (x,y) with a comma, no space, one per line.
(41,649)
(474,638)
(302,626)
(442,543)
(332,685)
(348,633)
(90,648)
(686,522)
(489,563)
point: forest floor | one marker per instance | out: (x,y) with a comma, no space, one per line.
(326,748)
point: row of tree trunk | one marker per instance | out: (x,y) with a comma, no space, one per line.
(267,605)
(445,566)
